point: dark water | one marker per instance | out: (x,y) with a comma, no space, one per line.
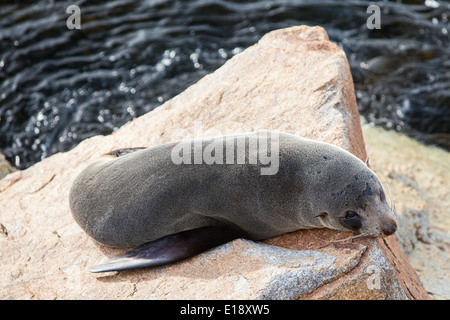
(60,86)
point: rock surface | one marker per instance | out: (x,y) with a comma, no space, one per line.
(294,80)
(5,167)
(418,178)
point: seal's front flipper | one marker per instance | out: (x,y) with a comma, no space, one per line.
(171,248)
(121,152)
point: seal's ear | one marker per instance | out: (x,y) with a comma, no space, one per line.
(367,162)
(321,215)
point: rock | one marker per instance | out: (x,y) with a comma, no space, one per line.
(293,80)
(5,167)
(418,178)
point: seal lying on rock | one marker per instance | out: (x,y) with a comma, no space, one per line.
(181,198)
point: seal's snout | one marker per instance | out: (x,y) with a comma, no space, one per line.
(389,227)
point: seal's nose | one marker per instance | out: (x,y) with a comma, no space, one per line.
(389,227)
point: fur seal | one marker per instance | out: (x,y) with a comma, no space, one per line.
(172,207)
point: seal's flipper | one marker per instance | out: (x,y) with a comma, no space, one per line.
(121,152)
(171,248)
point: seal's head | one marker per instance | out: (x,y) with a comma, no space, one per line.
(355,201)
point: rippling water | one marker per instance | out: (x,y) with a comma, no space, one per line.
(60,86)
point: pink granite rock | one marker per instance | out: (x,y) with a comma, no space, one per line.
(293,80)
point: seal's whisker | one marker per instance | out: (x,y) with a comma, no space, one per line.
(351,238)
(395,211)
(389,192)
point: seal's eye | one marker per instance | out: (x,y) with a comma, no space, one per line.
(351,215)
(352,220)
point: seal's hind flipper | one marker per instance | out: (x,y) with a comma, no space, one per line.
(171,248)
